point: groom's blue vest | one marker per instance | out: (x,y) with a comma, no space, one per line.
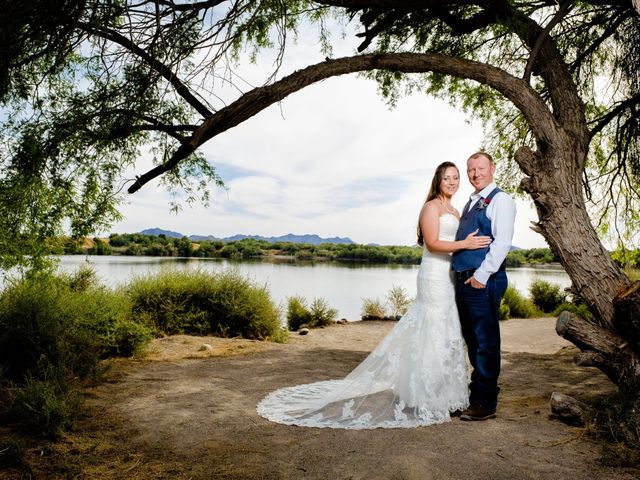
(474,218)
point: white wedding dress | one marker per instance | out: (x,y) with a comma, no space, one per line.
(416,376)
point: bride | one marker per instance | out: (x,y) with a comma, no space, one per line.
(417,375)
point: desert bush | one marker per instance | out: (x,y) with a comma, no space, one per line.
(199,302)
(47,403)
(372,308)
(318,314)
(398,301)
(546,296)
(519,306)
(297,313)
(54,330)
(53,319)
(321,313)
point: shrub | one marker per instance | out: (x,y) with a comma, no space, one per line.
(504,311)
(297,313)
(47,404)
(199,302)
(321,313)
(54,330)
(519,307)
(318,314)
(578,308)
(546,296)
(372,308)
(398,300)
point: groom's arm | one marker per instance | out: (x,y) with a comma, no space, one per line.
(503,217)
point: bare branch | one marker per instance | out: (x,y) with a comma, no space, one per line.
(613,113)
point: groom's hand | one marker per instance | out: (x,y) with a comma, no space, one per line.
(474,283)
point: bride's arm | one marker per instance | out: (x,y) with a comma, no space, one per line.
(430,226)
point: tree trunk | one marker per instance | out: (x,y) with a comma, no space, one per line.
(612,343)
(554,184)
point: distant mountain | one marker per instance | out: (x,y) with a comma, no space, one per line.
(159,231)
(290,237)
(202,238)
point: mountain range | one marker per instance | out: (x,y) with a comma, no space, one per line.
(290,237)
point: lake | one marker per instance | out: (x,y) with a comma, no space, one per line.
(344,285)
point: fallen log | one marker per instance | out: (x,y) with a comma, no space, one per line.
(602,348)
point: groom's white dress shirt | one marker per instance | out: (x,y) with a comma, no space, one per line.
(501,211)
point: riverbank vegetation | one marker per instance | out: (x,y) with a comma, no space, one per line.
(56,330)
(138,244)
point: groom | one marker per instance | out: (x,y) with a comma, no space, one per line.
(481,281)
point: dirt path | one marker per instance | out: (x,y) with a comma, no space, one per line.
(195,417)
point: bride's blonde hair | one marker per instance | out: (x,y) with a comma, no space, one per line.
(435,191)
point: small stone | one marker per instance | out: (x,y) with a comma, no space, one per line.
(303,331)
(342,321)
(303,325)
(205,346)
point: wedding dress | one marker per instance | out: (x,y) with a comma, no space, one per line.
(416,376)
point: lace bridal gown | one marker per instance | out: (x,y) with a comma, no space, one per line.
(416,376)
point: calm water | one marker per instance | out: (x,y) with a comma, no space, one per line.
(343,285)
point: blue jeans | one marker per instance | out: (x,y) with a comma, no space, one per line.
(479,318)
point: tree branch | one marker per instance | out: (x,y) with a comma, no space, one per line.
(562,11)
(153,63)
(254,101)
(622,106)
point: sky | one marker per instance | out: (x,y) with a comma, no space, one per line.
(332,159)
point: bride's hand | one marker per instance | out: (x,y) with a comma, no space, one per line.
(474,242)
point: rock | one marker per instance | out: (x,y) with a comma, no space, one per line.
(205,346)
(568,409)
(342,321)
(303,331)
(303,325)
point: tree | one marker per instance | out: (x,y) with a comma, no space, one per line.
(533,70)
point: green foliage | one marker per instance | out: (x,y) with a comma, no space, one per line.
(517,258)
(519,307)
(576,307)
(319,314)
(626,258)
(54,330)
(64,321)
(297,313)
(546,296)
(199,302)
(47,404)
(100,247)
(398,301)
(372,309)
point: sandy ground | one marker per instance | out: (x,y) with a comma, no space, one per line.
(187,413)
